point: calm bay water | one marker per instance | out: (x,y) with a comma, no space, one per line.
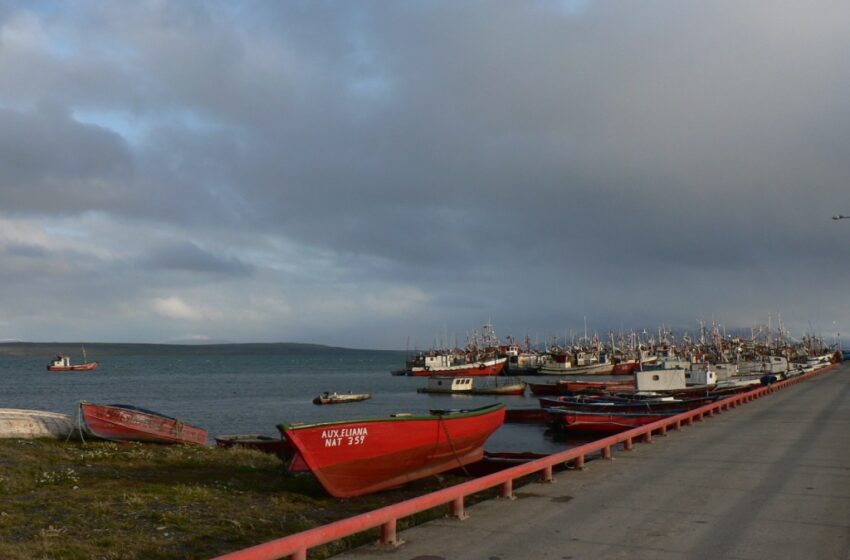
(240,388)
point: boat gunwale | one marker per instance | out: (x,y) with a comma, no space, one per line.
(448,415)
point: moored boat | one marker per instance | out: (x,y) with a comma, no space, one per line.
(603,422)
(340,398)
(477,385)
(122,422)
(569,362)
(615,405)
(32,424)
(455,364)
(356,457)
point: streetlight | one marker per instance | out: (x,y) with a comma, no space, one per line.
(841,217)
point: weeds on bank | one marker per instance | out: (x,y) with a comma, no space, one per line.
(97,500)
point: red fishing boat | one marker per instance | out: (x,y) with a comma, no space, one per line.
(63,363)
(122,422)
(603,422)
(356,457)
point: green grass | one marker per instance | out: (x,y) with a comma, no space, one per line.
(85,501)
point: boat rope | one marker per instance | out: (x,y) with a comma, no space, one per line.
(452,445)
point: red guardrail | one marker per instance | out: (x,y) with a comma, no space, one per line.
(296,546)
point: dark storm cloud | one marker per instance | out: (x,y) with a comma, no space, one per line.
(544,161)
(190,257)
(51,164)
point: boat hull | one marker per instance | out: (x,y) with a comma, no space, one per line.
(592,422)
(33,424)
(359,457)
(88,366)
(613,407)
(128,423)
(560,369)
(490,367)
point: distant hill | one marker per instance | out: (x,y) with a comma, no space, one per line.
(96,350)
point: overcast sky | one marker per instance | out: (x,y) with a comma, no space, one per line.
(378,174)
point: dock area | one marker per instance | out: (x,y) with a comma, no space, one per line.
(769,480)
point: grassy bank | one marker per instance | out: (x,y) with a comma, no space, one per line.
(72,500)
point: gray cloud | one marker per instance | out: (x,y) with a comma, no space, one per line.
(189,257)
(533,163)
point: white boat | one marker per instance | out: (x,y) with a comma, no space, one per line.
(339,398)
(32,424)
(477,385)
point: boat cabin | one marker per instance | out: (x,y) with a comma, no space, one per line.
(61,361)
(660,380)
(449,383)
(700,374)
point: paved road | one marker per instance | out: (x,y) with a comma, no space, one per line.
(768,480)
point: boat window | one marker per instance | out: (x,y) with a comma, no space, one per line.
(655,378)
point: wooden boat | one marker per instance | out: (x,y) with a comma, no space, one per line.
(266,444)
(356,457)
(63,363)
(339,398)
(122,422)
(604,422)
(613,406)
(32,424)
(491,385)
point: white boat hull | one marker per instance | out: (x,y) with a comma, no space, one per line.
(33,424)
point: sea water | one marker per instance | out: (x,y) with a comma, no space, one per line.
(243,389)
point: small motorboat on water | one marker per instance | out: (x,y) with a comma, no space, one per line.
(63,363)
(339,398)
(123,422)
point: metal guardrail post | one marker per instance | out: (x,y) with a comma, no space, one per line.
(507,490)
(457,508)
(388,532)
